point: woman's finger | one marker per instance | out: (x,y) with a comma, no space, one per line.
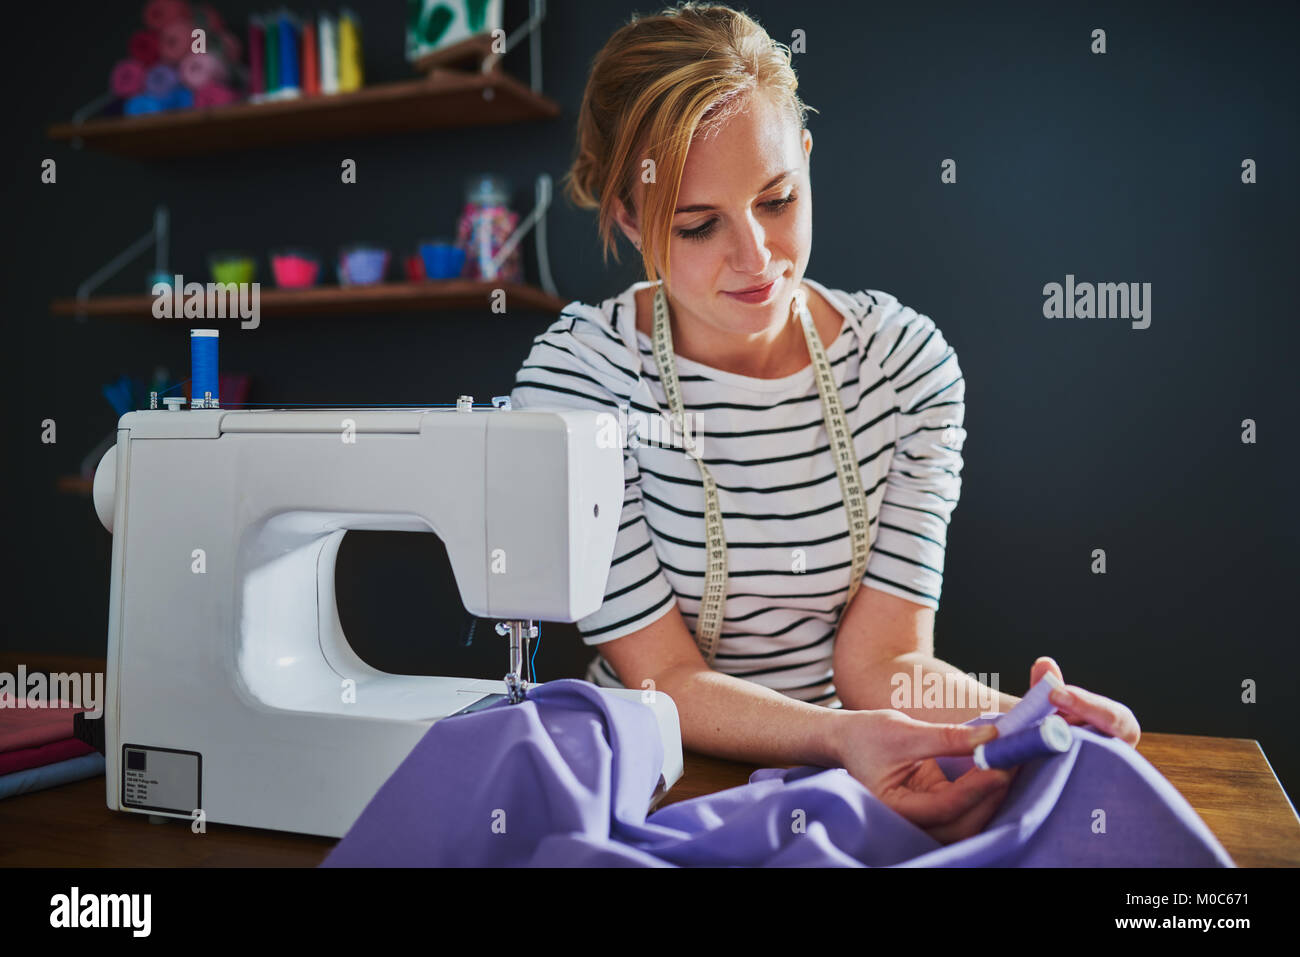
(1042,665)
(944,804)
(973,821)
(1104,714)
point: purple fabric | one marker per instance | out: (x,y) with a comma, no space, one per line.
(563,779)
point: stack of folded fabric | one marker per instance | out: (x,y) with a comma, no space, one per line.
(37,748)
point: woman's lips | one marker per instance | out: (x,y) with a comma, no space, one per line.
(756,297)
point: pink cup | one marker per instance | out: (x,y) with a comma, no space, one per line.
(294,268)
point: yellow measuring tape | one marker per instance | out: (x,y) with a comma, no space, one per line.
(709,622)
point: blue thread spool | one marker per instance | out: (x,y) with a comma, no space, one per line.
(203,368)
(142,103)
(1048,737)
(289,39)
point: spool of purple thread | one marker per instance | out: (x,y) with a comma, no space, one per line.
(160,81)
(1032,708)
(1050,736)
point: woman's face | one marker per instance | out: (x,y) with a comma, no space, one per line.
(743,219)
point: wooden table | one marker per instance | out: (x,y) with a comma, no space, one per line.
(1227,780)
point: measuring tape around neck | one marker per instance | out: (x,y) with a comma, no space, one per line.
(709,620)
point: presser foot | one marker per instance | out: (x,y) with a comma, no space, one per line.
(516,689)
(519,633)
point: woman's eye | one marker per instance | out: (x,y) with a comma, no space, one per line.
(699,232)
(703,232)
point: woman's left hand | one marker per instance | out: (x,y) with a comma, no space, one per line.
(1079,706)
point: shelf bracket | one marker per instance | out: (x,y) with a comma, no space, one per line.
(92,108)
(542,202)
(158,238)
(532,29)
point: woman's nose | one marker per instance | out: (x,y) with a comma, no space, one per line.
(751,256)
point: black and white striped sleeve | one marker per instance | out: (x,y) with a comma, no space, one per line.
(581,363)
(924,482)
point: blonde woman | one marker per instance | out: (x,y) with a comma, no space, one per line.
(779,556)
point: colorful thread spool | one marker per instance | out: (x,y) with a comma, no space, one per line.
(310,59)
(271,37)
(180,98)
(160,81)
(203,368)
(288,61)
(143,103)
(1033,707)
(127,78)
(158,13)
(197,70)
(327,40)
(214,94)
(1049,737)
(174,40)
(349,59)
(143,46)
(256,58)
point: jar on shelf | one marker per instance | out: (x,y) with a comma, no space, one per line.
(485,224)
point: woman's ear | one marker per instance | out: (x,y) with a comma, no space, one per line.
(626,223)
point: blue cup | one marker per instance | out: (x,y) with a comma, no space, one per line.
(442,260)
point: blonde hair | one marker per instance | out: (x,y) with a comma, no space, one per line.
(658,82)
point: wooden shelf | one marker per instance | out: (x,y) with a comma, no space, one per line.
(429,294)
(445,98)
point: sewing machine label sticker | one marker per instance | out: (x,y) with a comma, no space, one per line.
(162,780)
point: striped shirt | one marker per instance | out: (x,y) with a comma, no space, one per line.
(789,552)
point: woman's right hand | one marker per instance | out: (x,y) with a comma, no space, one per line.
(892,755)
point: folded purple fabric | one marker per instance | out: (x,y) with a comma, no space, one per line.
(564,778)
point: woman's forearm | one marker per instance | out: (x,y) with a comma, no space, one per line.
(951,696)
(737,719)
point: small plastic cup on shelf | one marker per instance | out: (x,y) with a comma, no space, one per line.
(443,259)
(295,267)
(232,267)
(362,264)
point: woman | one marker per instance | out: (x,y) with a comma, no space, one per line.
(743,542)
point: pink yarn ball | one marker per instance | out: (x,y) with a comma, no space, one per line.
(214,94)
(157,13)
(143,46)
(197,70)
(127,78)
(174,40)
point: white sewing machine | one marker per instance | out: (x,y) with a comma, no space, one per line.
(231,686)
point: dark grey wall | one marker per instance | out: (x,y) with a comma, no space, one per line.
(1083,434)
